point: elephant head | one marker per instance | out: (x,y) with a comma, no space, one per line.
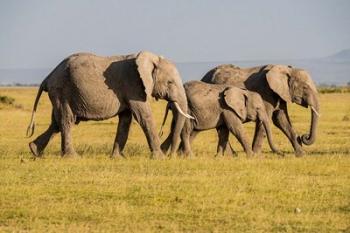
(296,86)
(249,105)
(162,80)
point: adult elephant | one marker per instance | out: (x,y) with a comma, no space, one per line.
(89,87)
(278,85)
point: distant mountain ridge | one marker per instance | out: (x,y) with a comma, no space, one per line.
(334,69)
(343,55)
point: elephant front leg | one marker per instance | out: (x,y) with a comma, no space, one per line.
(143,115)
(281,120)
(122,134)
(187,135)
(259,136)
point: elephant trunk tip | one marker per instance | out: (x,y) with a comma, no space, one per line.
(307,139)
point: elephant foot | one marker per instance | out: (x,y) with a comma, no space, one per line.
(279,153)
(250,154)
(117,156)
(70,154)
(230,151)
(257,150)
(172,155)
(35,149)
(189,155)
(299,153)
(158,155)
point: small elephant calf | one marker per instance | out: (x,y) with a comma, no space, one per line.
(223,107)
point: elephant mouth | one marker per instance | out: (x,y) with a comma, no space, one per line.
(158,96)
(304,103)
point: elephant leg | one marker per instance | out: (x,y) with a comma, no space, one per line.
(143,115)
(66,120)
(39,144)
(187,135)
(223,142)
(191,138)
(237,129)
(259,136)
(122,133)
(281,119)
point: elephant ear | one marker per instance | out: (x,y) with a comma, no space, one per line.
(235,98)
(146,62)
(277,78)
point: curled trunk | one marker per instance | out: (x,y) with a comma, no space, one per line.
(309,139)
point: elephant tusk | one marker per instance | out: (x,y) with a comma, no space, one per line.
(182,113)
(314,110)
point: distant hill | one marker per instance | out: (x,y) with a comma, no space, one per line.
(343,55)
(334,69)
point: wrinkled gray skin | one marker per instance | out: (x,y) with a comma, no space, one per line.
(278,85)
(221,106)
(89,87)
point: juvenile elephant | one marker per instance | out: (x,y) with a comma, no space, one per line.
(278,85)
(221,106)
(89,87)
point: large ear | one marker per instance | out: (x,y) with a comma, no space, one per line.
(277,78)
(146,63)
(235,98)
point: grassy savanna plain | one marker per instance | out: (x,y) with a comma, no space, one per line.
(202,194)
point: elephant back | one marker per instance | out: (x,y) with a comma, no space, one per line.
(226,74)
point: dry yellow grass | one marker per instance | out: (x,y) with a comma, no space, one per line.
(205,194)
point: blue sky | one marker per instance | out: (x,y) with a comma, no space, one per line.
(36,33)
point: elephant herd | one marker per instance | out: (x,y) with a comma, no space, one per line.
(85,87)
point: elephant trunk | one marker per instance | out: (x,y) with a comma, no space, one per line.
(309,139)
(180,115)
(178,105)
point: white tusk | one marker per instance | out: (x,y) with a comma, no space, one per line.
(182,113)
(314,110)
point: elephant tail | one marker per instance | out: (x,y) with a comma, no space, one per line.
(44,87)
(31,127)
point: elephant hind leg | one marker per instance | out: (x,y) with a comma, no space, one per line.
(65,118)
(39,144)
(236,128)
(223,142)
